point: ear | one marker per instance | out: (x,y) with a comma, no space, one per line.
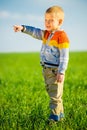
(60,21)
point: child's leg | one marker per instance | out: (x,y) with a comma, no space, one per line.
(55,91)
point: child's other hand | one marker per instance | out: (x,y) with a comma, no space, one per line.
(17,28)
(60,77)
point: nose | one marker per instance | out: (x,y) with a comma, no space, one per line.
(47,21)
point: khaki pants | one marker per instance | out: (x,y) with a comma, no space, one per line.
(54,90)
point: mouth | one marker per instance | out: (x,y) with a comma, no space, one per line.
(48,27)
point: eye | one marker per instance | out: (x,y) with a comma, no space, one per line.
(50,20)
(45,20)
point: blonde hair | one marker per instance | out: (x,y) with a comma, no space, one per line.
(57,10)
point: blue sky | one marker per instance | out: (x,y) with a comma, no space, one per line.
(32,13)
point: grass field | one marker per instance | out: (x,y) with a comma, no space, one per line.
(24,103)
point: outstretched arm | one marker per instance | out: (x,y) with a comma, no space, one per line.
(34,32)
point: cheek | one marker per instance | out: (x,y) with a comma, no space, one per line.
(45,24)
(56,24)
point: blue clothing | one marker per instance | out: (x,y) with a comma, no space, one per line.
(52,51)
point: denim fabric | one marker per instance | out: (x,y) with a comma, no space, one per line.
(50,53)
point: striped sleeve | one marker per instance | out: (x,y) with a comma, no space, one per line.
(34,32)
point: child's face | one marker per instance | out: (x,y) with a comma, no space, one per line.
(51,22)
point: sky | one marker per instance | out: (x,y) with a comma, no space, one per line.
(26,12)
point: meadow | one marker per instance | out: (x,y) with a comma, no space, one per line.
(24,103)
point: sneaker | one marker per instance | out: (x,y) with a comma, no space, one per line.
(61,116)
(56,117)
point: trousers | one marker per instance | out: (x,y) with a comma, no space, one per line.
(54,90)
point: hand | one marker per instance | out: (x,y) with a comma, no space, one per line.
(17,28)
(60,77)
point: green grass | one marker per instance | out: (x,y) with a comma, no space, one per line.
(24,103)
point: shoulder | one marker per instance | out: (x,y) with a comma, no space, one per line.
(62,36)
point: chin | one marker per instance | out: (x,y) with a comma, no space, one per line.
(48,29)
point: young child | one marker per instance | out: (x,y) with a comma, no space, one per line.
(54,56)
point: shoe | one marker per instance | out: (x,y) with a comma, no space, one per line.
(56,117)
(61,116)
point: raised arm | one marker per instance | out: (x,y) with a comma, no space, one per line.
(34,32)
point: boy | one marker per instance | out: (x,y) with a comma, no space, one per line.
(54,56)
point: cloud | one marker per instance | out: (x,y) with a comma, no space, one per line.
(4,14)
(18,16)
